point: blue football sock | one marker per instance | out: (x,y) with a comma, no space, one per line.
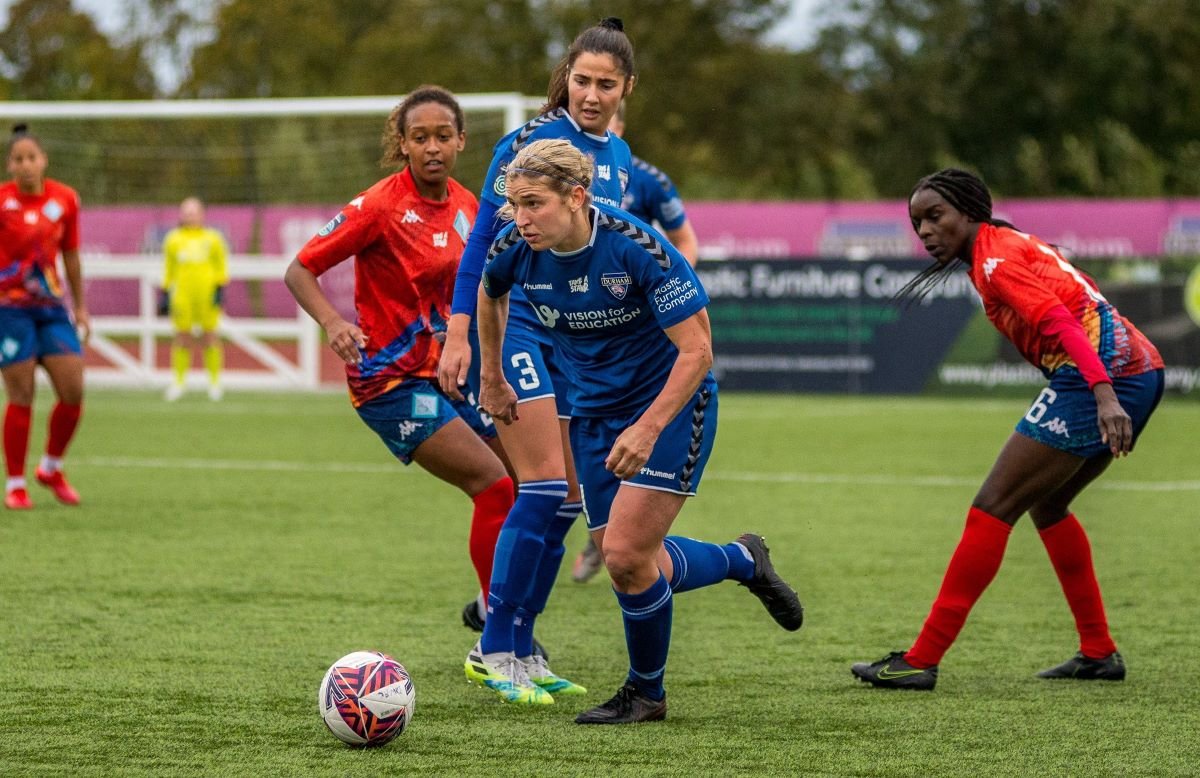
(518,550)
(647,619)
(543,579)
(699,564)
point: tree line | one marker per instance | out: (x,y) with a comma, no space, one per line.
(1043,97)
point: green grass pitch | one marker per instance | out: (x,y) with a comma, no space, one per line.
(180,621)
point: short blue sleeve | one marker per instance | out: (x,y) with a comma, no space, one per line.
(674,293)
(499,272)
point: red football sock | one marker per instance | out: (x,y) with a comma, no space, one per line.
(1071,554)
(16,438)
(491,509)
(972,568)
(63,421)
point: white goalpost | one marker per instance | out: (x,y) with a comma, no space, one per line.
(115,152)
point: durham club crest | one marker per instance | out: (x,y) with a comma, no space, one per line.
(616,283)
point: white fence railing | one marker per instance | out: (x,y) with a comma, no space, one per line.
(139,367)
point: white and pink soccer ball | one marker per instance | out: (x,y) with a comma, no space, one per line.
(366,698)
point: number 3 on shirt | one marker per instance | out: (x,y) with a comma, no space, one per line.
(1039,408)
(529,377)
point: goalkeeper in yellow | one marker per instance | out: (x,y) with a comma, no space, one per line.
(195,272)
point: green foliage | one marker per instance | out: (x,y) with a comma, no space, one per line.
(179,621)
(1044,97)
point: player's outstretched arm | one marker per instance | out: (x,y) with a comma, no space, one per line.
(346,340)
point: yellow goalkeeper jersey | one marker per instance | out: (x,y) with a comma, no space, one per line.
(195,256)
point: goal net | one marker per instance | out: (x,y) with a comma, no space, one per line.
(271,173)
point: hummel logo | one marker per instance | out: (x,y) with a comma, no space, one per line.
(989,265)
(410,217)
(440,239)
(1057,426)
(886,674)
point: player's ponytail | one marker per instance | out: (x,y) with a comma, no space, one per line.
(605,37)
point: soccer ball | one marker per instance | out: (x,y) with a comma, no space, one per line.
(366,698)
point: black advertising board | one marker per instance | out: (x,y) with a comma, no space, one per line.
(830,325)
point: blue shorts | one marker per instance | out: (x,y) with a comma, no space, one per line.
(36,332)
(1064,415)
(530,366)
(676,464)
(409,414)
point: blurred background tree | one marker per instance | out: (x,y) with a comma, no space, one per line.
(1044,97)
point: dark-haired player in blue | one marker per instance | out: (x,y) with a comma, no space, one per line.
(651,197)
(584,92)
(628,316)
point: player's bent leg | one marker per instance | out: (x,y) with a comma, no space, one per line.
(1070,554)
(66,375)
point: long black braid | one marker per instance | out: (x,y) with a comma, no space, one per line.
(966,193)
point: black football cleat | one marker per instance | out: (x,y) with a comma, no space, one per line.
(471,618)
(1082,668)
(781,600)
(472,621)
(628,706)
(894,672)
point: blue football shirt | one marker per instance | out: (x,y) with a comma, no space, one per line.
(652,197)
(605,307)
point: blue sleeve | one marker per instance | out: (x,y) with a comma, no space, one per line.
(498,275)
(470,267)
(674,293)
(667,206)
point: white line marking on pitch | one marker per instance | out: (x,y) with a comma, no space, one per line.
(774,478)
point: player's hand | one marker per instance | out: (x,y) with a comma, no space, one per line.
(631,451)
(83,324)
(346,340)
(219,296)
(164,302)
(1116,428)
(498,399)
(454,364)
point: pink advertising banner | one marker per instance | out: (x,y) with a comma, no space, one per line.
(726,230)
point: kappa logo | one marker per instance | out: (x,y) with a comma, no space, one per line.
(441,239)
(579,285)
(411,217)
(604,172)
(357,202)
(406,428)
(616,283)
(1057,426)
(546,315)
(990,264)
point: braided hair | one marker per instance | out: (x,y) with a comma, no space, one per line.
(967,194)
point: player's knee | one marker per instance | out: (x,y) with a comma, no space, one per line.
(626,565)
(1048,513)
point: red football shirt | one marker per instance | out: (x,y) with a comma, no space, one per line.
(407,250)
(1020,278)
(33,230)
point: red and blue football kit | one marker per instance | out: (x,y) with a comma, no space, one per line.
(1021,279)
(1059,321)
(407,250)
(33,230)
